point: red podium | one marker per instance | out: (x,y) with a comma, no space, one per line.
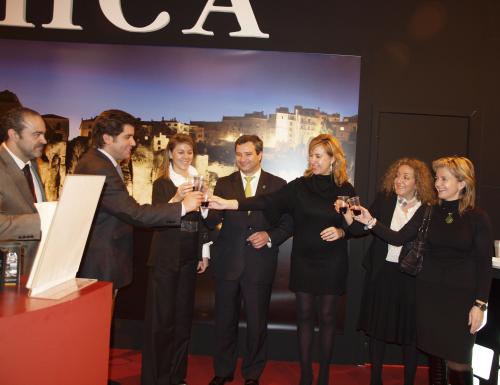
(55,342)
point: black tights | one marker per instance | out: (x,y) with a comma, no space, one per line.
(305,307)
(377,350)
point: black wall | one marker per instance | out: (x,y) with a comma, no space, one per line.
(430,67)
(430,58)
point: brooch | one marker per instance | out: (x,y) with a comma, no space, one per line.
(449,218)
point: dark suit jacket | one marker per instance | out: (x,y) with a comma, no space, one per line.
(109,254)
(19,219)
(231,256)
(382,209)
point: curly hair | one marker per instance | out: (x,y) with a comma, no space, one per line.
(424,182)
(462,169)
(172,143)
(334,149)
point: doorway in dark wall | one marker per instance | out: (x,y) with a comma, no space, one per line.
(423,136)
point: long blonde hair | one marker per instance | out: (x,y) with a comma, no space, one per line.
(334,149)
(462,169)
(423,179)
(172,143)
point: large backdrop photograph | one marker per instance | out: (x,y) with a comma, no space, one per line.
(215,95)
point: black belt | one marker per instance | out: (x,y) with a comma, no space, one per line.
(189,226)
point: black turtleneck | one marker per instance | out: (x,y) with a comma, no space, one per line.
(322,185)
(450,233)
(460,249)
(310,202)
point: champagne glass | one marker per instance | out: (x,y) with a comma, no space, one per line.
(190,180)
(199,182)
(208,188)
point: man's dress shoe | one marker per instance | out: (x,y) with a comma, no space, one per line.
(220,380)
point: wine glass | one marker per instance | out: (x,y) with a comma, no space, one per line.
(354,205)
(343,205)
(207,191)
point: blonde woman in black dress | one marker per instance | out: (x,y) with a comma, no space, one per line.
(454,284)
(318,269)
(387,312)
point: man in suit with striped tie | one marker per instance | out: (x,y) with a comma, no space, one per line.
(22,131)
(244,264)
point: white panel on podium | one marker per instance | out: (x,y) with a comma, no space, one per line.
(60,252)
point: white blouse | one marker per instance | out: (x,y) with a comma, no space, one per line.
(177,180)
(399,219)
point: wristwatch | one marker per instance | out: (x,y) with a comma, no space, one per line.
(481,306)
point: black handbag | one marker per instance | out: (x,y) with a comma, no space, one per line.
(411,257)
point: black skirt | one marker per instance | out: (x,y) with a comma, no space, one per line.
(388,306)
(442,319)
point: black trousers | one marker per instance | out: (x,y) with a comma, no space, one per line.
(167,324)
(229,296)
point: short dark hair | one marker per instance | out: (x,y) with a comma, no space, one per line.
(257,142)
(14,118)
(110,122)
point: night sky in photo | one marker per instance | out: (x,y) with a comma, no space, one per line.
(80,80)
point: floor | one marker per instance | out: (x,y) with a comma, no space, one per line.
(125,367)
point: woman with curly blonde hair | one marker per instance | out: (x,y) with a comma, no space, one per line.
(387,313)
(453,287)
(424,188)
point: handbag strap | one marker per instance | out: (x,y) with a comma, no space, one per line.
(422,231)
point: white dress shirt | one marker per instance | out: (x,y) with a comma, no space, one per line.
(113,160)
(21,164)
(253,183)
